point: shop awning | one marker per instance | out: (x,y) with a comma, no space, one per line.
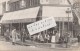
(21,16)
(59,13)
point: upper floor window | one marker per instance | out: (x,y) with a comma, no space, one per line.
(22,4)
(4,7)
(33,2)
(14,6)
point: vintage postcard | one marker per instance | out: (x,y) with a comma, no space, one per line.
(39,25)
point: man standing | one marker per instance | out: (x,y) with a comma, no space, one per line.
(24,35)
(13,36)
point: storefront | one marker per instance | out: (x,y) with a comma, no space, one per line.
(63,18)
(18,19)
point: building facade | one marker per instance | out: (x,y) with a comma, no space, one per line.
(19,13)
(61,11)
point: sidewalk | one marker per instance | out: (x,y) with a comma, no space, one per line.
(44,45)
(48,45)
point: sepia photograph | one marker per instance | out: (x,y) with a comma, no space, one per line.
(39,25)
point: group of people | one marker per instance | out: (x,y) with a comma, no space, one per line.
(65,38)
(43,37)
(15,35)
(40,37)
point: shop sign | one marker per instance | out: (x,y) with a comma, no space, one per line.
(41,25)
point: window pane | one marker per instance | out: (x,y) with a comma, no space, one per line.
(22,4)
(17,5)
(27,3)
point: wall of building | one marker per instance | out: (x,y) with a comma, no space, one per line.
(22,4)
(1,12)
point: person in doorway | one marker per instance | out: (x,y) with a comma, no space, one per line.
(13,36)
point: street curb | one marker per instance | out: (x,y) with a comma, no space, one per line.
(38,45)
